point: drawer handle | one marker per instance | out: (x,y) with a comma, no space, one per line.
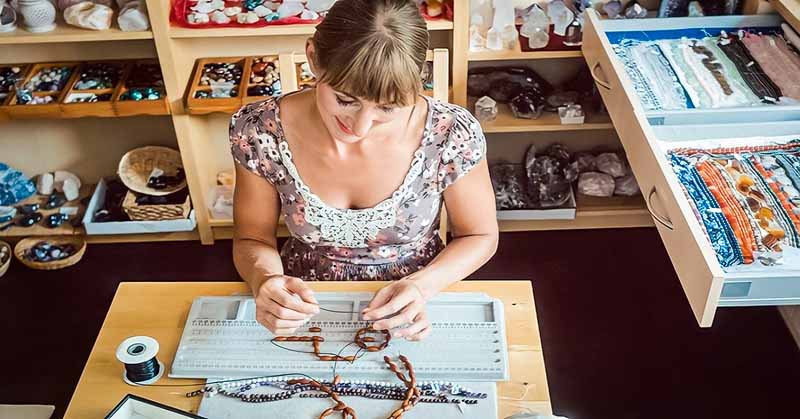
(602,83)
(664,221)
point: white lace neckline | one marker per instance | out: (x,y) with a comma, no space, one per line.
(353,227)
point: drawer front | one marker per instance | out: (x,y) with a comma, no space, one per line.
(692,256)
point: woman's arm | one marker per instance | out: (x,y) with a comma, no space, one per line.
(471,213)
(256,208)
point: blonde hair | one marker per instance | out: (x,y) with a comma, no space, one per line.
(373,49)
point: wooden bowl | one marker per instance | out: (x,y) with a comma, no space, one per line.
(5,263)
(25,244)
(136,165)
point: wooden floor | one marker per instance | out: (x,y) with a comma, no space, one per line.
(619,339)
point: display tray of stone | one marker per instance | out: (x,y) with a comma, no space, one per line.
(264,79)
(218,85)
(93,89)
(48,84)
(9,74)
(142,91)
(68,227)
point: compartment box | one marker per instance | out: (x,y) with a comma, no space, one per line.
(129,227)
(202,106)
(47,110)
(140,107)
(71,109)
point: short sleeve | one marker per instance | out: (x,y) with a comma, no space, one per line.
(252,135)
(464,145)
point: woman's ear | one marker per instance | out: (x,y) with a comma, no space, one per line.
(311,57)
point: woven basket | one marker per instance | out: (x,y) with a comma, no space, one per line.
(161,212)
(25,244)
(5,264)
(136,165)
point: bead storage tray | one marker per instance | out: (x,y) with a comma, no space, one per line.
(7,90)
(123,107)
(304,80)
(256,89)
(72,108)
(200,106)
(221,338)
(47,110)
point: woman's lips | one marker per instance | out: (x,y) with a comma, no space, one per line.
(343,127)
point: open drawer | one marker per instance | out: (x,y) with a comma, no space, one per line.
(644,134)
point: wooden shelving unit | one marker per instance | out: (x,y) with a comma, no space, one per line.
(202,139)
(64,33)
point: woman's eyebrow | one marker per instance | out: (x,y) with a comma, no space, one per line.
(345,95)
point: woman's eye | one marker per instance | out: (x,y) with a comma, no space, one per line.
(343,102)
(387,109)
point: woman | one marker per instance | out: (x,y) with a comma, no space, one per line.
(359,166)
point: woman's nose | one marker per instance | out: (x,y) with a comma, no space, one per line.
(363,122)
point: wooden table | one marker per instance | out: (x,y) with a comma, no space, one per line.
(160,309)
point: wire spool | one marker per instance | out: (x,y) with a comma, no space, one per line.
(138,353)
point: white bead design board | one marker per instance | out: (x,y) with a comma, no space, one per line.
(221,338)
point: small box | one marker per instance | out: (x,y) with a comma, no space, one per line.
(129,227)
(563,212)
(201,106)
(135,407)
(249,83)
(124,107)
(71,108)
(47,110)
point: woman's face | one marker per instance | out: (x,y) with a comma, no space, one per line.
(350,119)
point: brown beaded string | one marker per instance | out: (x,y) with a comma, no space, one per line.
(360,339)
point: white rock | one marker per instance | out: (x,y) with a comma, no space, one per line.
(71,190)
(45,184)
(219,17)
(252,17)
(207,7)
(262,11)
(290,8)
(309,15)
(61,176)
(320,5)
(198,18)
(133,17)
(89,15)
(271,5)
(241,18)
(232,11)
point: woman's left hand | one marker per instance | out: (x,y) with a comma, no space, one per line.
(404,300)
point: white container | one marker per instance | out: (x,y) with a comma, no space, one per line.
(134,407)
(39,15)
(129,227)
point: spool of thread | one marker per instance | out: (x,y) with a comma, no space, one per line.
(138,354)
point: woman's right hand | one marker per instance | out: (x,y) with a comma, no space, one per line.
(284,303)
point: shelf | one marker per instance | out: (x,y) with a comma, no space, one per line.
(518,54)
(139,238)
(549,121)
(65,33)
(178,32)
(614,212)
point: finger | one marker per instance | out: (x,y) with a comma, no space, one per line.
(420,322)
(264,320)
(279,323)
(406,316)
(282,312)
(297,286)
(380,298)
(421,335)
(395,304)
(294,302)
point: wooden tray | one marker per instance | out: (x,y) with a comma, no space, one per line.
(104,108)
(248,84)
(142,107)
(24,69)
(48,110)
(211,105)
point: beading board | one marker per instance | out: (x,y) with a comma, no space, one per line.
(221,338)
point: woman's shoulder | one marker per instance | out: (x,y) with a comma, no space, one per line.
(452,120)
(263,113)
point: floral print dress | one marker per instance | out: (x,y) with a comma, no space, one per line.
(389,241)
